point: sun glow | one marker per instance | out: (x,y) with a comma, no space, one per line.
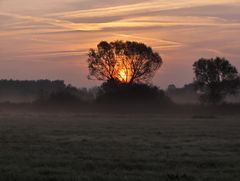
(123,75)
(123,72)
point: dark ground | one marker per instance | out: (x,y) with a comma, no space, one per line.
(58,146)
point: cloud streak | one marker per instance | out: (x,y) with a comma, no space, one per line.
(56,25)
(144,7)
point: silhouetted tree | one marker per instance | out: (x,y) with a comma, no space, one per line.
(215,78)
(125,62)
(125,95)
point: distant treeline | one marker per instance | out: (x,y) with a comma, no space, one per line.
(16,91)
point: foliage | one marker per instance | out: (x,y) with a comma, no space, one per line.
(129,62)
(28,90)
(19,91)
(120,93)
(215,78)
(63,97)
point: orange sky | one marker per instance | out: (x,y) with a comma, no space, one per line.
(50,38)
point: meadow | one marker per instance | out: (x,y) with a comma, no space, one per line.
(121,147)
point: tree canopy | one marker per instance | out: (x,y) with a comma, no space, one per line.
(126,62)
(215,78)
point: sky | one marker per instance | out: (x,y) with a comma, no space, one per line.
(50,39)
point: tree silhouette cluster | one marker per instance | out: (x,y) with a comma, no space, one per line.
(128,94)
(126,69)
(42,90)
(215,78)
(128,62)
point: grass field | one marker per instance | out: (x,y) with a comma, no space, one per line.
(119,147)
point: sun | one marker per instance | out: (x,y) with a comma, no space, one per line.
(123,75)
(123,71)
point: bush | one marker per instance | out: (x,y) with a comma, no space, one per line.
(119,93)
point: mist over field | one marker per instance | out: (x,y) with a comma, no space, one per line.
(13,91)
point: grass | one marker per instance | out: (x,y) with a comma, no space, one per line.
(49,147)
